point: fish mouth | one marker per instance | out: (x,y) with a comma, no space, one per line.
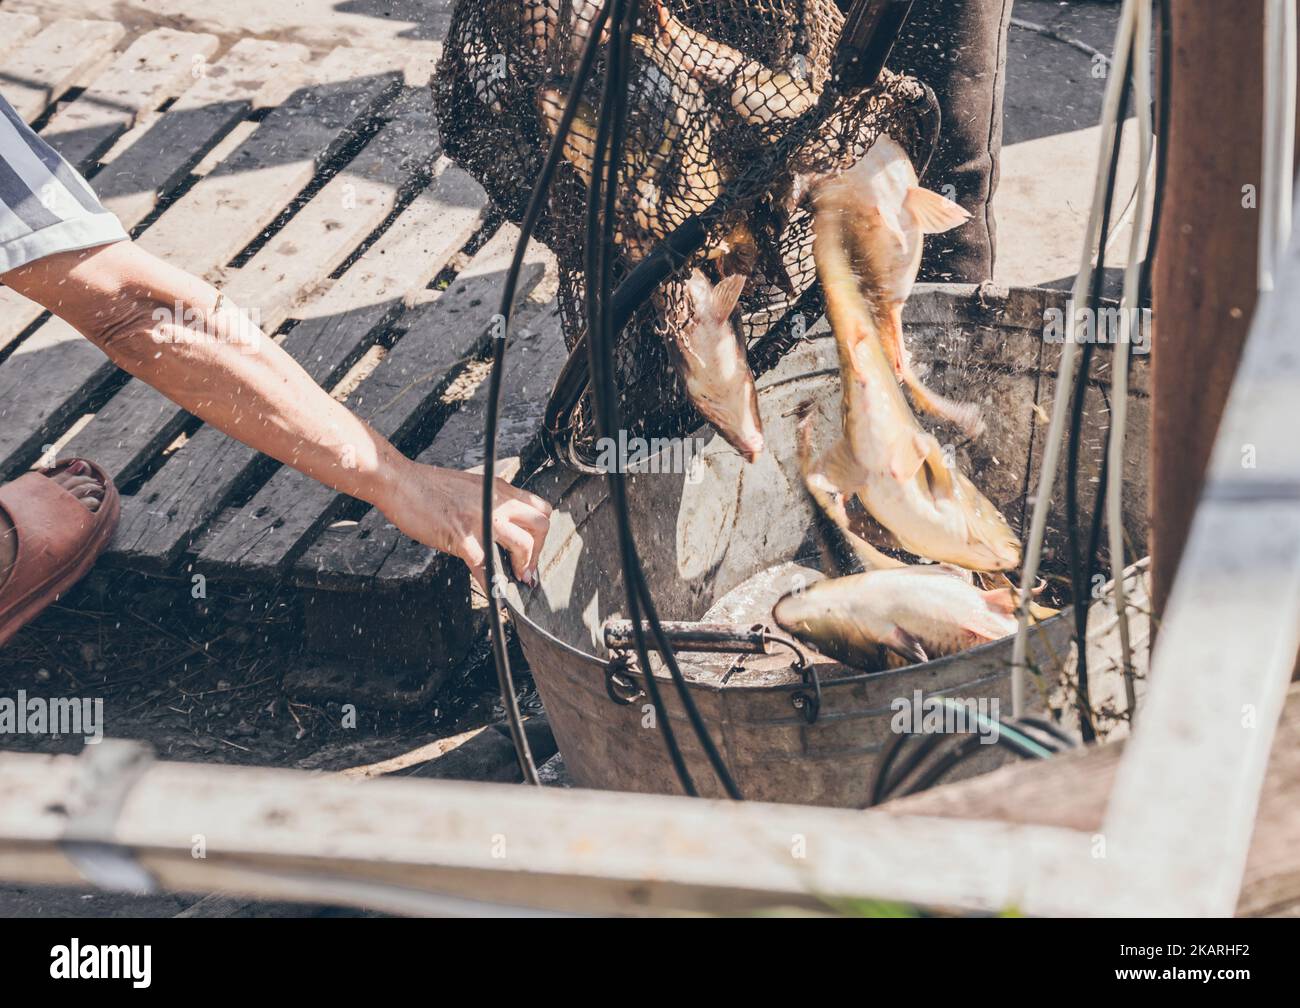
(995,557)
(786,615)
(1006,554)
(751,449)
(748,445)
(748,448)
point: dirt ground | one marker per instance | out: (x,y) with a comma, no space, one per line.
(224,682)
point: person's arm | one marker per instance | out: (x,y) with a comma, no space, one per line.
(213,362)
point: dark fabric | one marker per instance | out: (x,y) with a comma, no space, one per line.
(959,48)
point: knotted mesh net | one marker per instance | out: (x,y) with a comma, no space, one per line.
(731,106)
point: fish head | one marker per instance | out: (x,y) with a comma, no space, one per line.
(830,616)
(715,368)
(990,544)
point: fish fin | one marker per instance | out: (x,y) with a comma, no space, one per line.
(1042,612)
(986,626)
(726,295)
(889,220)
(946,569)
(714,303)
(908,456)
(988,580)
(966,417)
(1002,600)
(937,471)
(934,213)
(905,644)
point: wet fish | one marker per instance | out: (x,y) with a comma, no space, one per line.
(759,94)
(669,161)
(883,215)
(919,613)
(896,469)
(711,360)
(541,19)
(844,551)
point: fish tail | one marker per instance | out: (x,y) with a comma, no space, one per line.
(967,417)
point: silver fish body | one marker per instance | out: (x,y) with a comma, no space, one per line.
(917,612)
(711,361)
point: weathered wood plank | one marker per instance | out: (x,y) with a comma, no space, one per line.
(139,421)
(216,905)
(373,553)
(568,849)
(255,183)
(55,371)
(1071,791)
(1188,789)
(278,523)
(17,313)
(39,71)
(156,66)
(162,520)
(15,29)
(159,158)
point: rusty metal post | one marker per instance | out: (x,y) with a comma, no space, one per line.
(1205,279)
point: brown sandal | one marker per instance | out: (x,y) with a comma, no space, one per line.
(59,540)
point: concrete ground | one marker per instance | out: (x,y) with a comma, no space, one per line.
(1049,166)
(1053,96)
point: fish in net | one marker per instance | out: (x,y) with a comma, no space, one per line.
(734,108)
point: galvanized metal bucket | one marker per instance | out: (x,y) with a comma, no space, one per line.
(704,531)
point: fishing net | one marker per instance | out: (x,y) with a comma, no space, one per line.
(731,107)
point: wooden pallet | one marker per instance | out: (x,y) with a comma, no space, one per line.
(312,191)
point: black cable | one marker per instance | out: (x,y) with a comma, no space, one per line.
(1011,735)
(883,782)
(1081,568)
(1162,152)
(596,312)
(527,226)
(1144,281)
(1050,729)
(963,748)
(640,601)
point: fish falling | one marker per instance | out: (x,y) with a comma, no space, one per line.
(869,227)
(891,613)
(895,468)
(881,215)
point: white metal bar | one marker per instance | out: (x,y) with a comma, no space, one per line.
(1069,350)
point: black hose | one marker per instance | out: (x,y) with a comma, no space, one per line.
(602,325)
(527,226)
(597,314)
(1162,153)
(1063,741)
(1012,736)
(883,783)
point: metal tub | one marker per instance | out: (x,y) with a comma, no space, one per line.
(703,532)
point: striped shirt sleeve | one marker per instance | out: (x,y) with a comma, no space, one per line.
(45,205)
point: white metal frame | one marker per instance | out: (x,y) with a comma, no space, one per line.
(1174,839)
